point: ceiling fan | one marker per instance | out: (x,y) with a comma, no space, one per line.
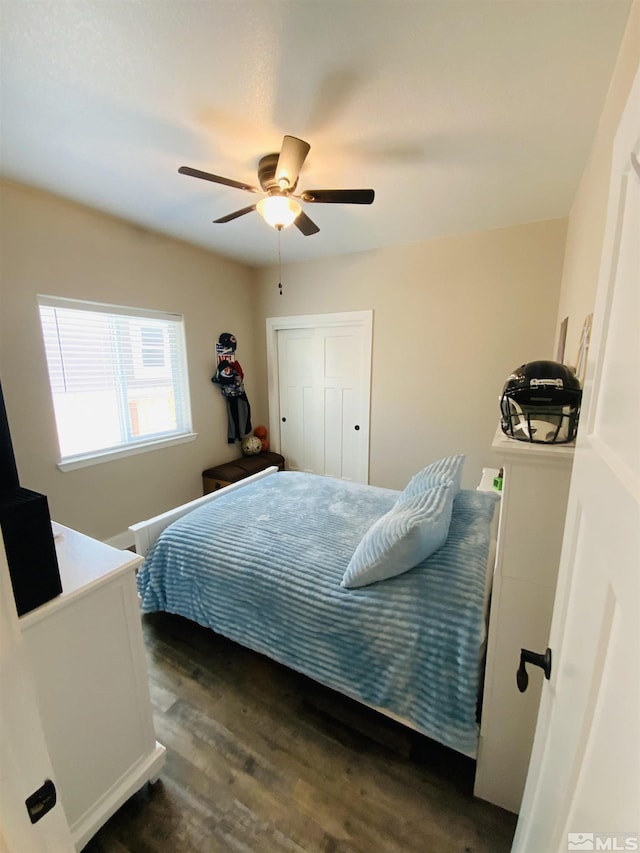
(278,178)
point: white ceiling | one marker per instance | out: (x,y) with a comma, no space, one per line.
(463,116)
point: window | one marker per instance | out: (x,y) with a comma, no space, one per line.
(118,378)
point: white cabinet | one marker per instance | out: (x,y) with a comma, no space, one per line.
(87,655)
(532,515)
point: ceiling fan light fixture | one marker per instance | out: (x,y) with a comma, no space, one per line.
(279,211)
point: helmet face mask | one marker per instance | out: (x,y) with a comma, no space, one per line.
(552,425)
(540,403)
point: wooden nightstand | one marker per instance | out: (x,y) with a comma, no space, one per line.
(222,475)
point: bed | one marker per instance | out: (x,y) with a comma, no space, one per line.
(265,562)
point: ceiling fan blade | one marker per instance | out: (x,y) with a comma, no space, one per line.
(292,155)
(306,225)
(207,176)
(235,214)
(339,196)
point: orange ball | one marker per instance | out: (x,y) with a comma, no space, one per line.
(265,444)
(260,432)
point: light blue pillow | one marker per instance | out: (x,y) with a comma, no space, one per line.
(402,538)
(448,468)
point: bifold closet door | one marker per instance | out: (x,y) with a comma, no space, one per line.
(323,378)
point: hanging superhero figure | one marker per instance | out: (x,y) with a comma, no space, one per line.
(229,375)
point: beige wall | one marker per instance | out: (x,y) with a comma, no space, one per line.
(452,318)
(587,220)
(51,246)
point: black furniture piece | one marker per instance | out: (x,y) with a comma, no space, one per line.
(25,523)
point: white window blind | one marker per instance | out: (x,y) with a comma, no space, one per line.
(118,375)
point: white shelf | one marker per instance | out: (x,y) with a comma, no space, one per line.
(511,448)
(532,511)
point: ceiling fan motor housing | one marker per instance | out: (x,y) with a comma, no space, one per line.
(267,174)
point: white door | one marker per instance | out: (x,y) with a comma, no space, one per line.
(583,787)
(320,376)
(24,759)
(298,400)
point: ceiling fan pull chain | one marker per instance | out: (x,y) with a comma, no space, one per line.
(279,264)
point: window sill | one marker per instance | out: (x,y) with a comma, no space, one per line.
(86,459)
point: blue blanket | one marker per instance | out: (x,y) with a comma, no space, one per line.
(263,564)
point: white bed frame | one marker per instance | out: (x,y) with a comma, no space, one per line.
(146,532)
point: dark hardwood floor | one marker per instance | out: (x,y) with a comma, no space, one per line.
(262,759)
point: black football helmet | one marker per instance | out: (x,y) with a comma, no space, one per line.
(540,403)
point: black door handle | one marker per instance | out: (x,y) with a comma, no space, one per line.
(284,420)
(357,427)
(543,661)
(41,801)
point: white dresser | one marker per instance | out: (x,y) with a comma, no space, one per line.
(88,659)
(532,515)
